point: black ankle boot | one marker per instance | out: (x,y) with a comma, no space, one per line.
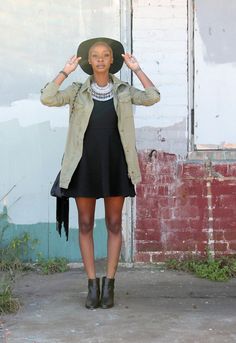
(107,297)
(93,297)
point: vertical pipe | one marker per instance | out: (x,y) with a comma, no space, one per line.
(126,75)
(190,72)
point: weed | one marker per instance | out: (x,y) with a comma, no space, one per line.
(13,254)
(53,265)
(8,303)
(16,252)
(218,269)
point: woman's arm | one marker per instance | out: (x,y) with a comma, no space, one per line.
(50,94)
(146,97)
(133,64)
(70,66)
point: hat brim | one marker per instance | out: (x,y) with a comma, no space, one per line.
(116,47)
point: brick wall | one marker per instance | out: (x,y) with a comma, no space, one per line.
(183,207)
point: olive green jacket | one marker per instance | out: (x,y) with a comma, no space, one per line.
(79,98)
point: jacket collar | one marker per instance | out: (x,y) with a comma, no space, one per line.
(116,82)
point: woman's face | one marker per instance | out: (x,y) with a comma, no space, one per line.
(100,58)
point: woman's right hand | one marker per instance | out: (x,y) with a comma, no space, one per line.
(71,64)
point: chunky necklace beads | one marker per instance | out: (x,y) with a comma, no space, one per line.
(102,93)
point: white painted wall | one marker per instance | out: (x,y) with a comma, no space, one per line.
(160,44)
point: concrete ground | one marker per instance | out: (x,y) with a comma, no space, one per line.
(152,305)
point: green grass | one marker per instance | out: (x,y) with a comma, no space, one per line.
(218,269)
(14,255)
(8,303)
(53,265)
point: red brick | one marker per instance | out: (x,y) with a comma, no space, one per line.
(144,212)
(175,224)
(168,169)
(231,170)
(201,247)
(219,212)
(218,235)
(224,223)
(179,170)
(220,247)
(181,246)
(148,178)
(230,235)
(159,257)
(166,201)
(181,201)
(225,201)
(147,224)
(186,211)
(197,200)
(147,210)
(188,235)
(153,235)
(147,203)
(163,190)
(190,189)
(195,224)
(193,170)
(166,179)
(166,212)
(223,187)
(221,169)
(232,246)
(166,157)
(142,257)
(148,246)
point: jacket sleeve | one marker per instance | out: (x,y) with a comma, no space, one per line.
(52,96)
(146,97)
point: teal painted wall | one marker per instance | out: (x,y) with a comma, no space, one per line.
(50,244)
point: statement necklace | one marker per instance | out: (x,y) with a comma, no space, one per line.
(102,93)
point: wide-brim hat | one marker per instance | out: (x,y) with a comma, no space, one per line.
(116,47)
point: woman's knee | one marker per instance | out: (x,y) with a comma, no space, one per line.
(86,226)
(113,225)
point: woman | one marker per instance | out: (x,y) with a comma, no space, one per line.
(100,159)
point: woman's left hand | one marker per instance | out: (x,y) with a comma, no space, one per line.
(131,61)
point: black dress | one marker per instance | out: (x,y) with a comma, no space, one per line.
(102,170)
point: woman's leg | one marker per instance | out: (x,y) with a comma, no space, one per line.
(113,216)
(86,209)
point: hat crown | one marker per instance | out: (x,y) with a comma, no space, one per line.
(117,49)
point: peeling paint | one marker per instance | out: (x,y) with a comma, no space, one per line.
(171,139)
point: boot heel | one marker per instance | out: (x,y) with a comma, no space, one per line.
(107,296)
(93,297)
